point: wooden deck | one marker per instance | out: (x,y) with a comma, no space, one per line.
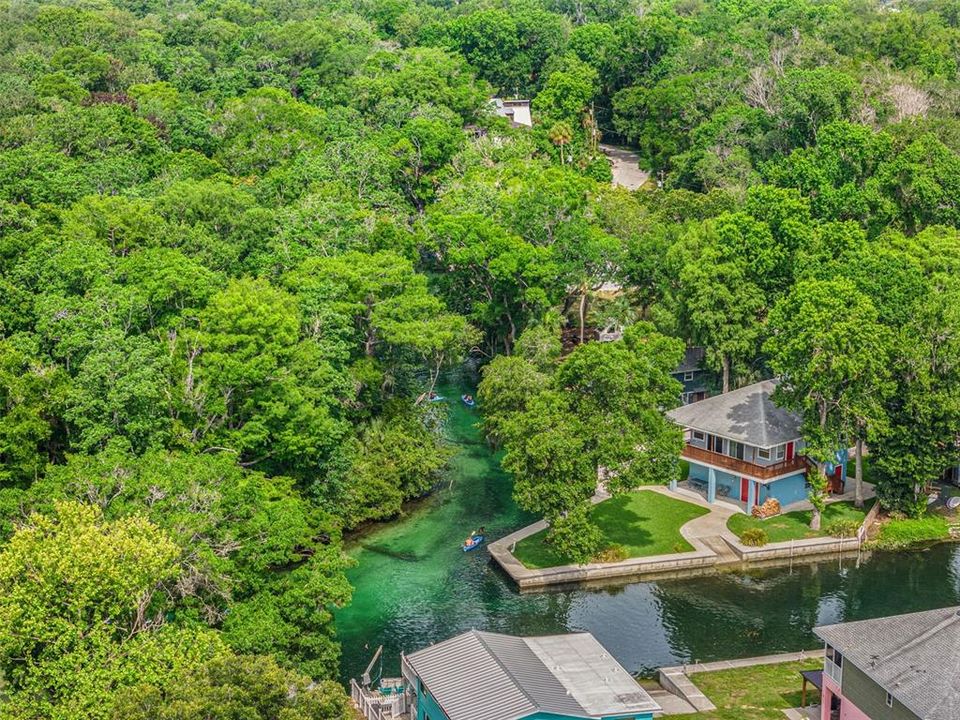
(742,467)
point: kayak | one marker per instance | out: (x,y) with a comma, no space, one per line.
(437,398)
(472,543)
(468,402)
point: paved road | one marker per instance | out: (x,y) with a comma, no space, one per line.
(626,167)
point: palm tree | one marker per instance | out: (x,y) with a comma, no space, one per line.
(560,134)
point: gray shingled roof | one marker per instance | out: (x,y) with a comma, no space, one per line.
(747,415)
(915,657)
(487,676)
(692,359)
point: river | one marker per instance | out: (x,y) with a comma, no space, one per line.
(414,586)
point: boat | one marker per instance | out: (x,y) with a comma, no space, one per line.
(468,401)
(473,542)
(437,398)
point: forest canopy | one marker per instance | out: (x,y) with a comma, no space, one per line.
(241,240)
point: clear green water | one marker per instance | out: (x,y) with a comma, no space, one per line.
(414,586)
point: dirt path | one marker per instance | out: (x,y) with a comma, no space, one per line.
(626,167)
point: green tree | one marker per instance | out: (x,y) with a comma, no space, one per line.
(599,420)
(919,438)
(833,357)
(32,394)
(253,387)
(78,602)
(720,307)
(252,687)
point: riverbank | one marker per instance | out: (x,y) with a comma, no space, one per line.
(715,548)
(425,589)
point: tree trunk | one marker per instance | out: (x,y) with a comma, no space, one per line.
(815,520)
(725,362)
(583,310)
(858,456)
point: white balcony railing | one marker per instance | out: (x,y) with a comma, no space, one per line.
(833,671)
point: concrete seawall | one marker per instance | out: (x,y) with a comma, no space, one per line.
(721,551)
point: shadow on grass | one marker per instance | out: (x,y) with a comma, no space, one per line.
(622,524)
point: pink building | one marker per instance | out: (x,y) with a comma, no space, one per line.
(903,667)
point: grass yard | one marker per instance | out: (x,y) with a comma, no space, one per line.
(796,525)
(761,692)
(898,534)
(643,523)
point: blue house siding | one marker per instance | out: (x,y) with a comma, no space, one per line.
(786,490)
(731,482)
(790,489)
(427,708)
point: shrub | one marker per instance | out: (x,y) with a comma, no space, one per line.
(754,537)
(612,554)
(842,528)
(898,534)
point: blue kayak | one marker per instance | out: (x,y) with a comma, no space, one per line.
(437,398)
(469,402)
(473,542)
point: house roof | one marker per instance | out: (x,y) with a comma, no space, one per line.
(915,657)
(692,359)
(488,676)
(747,415)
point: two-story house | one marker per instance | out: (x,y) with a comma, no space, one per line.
(743,447)
(692,375)
(903,667)
(488,676)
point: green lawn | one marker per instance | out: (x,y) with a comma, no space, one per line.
(796,525)
(898,534)
(643,522)
(755,693)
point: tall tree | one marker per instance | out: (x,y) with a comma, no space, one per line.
(832,355)
(599,419)
(720,308)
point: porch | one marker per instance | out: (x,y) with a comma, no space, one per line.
(716,486)
(739,467)
(387,701)
(700,489)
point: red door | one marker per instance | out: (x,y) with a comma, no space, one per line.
(744,489)
(789,451)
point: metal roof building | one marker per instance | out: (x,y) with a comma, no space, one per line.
(488,676)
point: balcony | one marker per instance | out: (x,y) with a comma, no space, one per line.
(833,671)
(742,467)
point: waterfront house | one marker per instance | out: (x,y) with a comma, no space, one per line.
(488,676)
(692,375)
(743,447)
(904,667)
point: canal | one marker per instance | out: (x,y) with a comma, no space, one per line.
(414,586)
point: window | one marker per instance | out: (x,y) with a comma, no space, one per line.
(780,451)
(889,700)
(735,449)
(834,656)
(833,665)
(697,435)
(763,453)
(687,376)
